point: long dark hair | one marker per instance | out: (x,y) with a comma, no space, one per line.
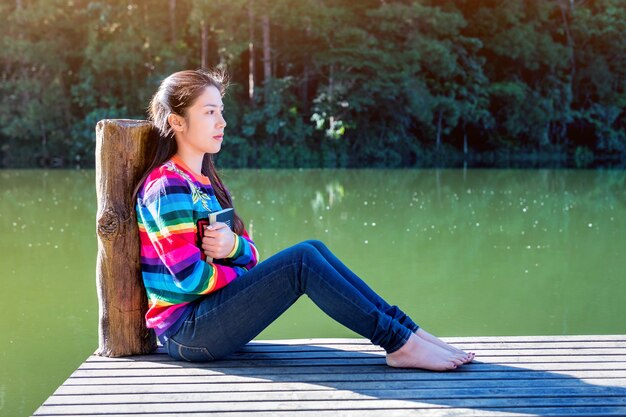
(175,95)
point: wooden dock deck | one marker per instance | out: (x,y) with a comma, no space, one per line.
(521,376)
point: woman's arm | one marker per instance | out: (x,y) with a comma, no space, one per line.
(219,242)
(173,269)
(244,253)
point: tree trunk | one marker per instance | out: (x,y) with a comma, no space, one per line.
(273,56)
(439,120)
(331,82)
(251,52)
(465,146)
(173,21)
(331,86)
(546,134)
(204,45)
(124,149)
(305,87)
(305,80)
(44,145)
(267,62)
(568,34)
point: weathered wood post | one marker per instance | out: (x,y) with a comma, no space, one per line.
(123,151)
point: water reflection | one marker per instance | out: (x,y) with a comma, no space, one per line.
(334,193)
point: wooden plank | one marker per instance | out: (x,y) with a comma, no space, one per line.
(571,342)
(346,377)
(273,386)
(545,375)
(357,371)
(371,359)
(589,349)
(523,412)
(200,407)
(609,356)
(490,356)
(330,353)
(445,412)
(337,395)
(356,365)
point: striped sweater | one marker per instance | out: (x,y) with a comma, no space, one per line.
(169,204)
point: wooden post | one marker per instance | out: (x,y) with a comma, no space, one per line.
(124,149)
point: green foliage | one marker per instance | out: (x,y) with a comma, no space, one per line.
(368,83)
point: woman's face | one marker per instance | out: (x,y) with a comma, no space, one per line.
(203,129)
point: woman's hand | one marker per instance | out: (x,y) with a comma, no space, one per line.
(218,240)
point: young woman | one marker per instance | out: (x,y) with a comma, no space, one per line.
(203,311)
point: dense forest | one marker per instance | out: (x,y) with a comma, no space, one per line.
(326,83)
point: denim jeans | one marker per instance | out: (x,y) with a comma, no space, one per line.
(224,321)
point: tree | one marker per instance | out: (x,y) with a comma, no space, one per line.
(323,82)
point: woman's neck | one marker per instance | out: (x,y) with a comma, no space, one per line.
(192,160)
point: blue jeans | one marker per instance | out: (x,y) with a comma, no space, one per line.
(224,321)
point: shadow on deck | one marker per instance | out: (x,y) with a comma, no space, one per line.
(562,375)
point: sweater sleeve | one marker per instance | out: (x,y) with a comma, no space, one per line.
(245,253)
(167,219)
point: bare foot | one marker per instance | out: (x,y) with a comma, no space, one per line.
(467,357)
(420,353)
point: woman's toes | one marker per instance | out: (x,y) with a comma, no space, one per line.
(469,358)
(458,361)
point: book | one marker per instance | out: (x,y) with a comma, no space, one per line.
(223,216)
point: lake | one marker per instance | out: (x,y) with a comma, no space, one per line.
(464,252)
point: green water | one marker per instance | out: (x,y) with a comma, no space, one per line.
(465,253)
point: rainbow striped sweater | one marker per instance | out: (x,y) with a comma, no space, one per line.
(169,204)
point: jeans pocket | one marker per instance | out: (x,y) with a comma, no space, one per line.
(179,352)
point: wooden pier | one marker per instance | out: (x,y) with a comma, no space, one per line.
(521,376)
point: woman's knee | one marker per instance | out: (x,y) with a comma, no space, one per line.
(308,252)
(305,247)
(317,244)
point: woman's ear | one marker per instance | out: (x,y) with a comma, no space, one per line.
(176,122)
